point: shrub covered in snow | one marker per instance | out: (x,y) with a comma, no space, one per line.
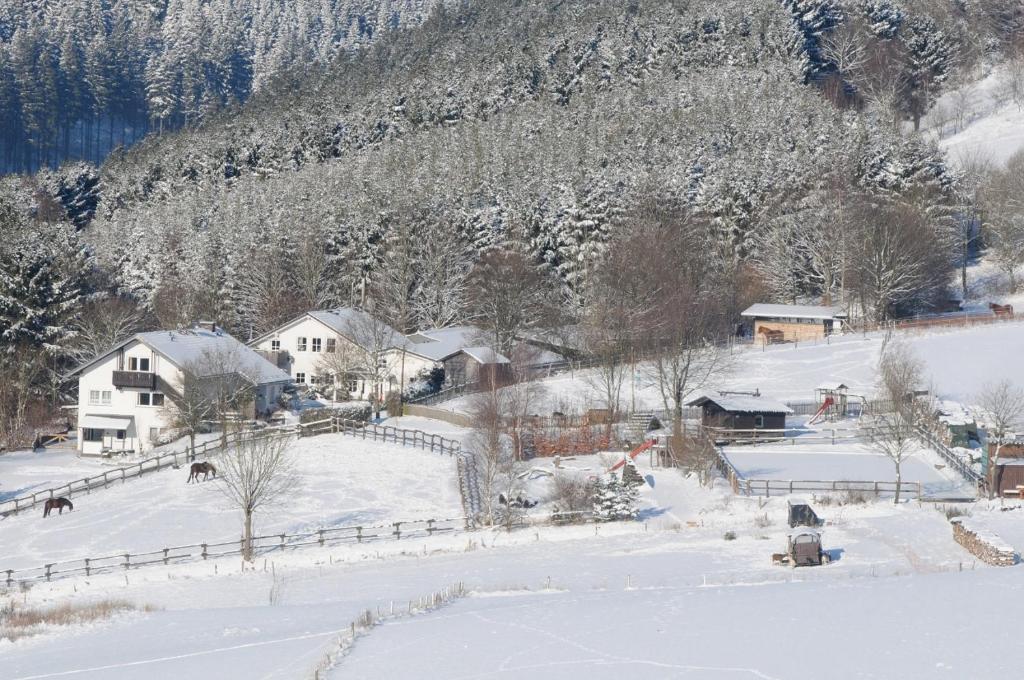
(359,411)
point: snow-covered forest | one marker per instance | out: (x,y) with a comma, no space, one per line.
(760,150)
(79,78)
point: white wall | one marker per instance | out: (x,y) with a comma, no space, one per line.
(124,401)
(310,363)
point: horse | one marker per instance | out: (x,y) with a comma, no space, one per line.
(1001,310)
(57,503)
(206,469)
(771,336)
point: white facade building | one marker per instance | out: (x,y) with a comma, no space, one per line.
(125,395)
(345,352)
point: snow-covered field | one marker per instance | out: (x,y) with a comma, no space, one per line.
(843,462)
(342,482)
(960,361)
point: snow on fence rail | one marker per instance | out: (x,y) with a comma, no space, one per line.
(765,487)
(262,545)
(124,473)
(952,459)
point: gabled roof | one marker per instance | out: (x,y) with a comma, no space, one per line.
(762,310)
(441,343)
(354,324)
(741,403)
(196,347)
(485,355)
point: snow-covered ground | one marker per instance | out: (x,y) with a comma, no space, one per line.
(978,120)
(923,627)
(342,481)
(959,361)
(277,620)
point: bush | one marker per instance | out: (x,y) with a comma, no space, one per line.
(425,383)
(729,536)
(573,494)
(359,411)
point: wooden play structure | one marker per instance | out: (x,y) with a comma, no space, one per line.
(834,398)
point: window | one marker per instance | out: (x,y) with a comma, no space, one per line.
(121,434)
(331,345)
(317,343)
(300,344)
(758,421)
(138,364)
(151,399)
(300,378)
(352,386)
(92,435)
(382,362)
(275,345)
(312,380)
(99,397)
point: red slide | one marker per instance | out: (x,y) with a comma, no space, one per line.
(828,402)
(633,454)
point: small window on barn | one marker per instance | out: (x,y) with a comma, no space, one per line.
(759,421)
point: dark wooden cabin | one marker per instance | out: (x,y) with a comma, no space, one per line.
(741,411)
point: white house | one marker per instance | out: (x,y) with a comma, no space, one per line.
(125,395)
(344,350)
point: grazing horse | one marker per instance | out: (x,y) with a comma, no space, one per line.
(205,469)
(57,503)
(1001,310)
(771,336)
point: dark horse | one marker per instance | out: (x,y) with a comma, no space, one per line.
(205,469)
(57,503)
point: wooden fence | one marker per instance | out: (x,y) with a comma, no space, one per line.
(262,545)
(450,417)
(765,487)
(122,474)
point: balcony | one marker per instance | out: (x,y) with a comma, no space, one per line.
(137,379)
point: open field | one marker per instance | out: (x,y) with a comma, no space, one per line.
(342,482)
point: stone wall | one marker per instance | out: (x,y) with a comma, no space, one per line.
(984,545)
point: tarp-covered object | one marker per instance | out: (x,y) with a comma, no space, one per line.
(802,515)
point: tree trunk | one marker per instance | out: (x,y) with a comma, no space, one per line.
(192,445)
(247,548)
(899,483)
(992,458)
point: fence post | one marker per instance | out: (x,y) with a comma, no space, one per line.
(430,527)
(127,561)
(359,534)
(398,531)
(48,566)
(203,546)
(86,566)
(321,539)
(165,554)
(10,576)
(282,541)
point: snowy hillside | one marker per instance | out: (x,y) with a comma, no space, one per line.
(342,482)
(980,120)
(959,361)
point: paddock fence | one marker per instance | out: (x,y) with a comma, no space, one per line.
(781,487)
(262,545)
(162,461)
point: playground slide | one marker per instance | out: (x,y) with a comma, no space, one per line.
(829,401)
(633,454)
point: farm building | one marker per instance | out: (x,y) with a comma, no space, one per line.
(1009,468)
(741,411)
(789,323)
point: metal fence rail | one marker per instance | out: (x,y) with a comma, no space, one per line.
(262,545)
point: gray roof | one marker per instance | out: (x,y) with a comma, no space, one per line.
(485,355)
(360,327)
(741,403)
(207,352)
(762,310)
(202,350)
(441,343)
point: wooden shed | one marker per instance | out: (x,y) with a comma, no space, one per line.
(1010,469)
(741,411)
(793,323)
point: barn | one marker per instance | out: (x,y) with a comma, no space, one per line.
(741,411)
(793,323)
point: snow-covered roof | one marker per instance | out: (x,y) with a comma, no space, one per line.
(199,347)
(485,355)
(741,403)
(833,386)
(207,352)
(440,343)
(762,310)
(360,327)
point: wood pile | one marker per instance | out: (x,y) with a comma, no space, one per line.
(984,545)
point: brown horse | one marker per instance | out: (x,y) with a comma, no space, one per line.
(57,504)
(205,469)
(771,336)
(1001,310)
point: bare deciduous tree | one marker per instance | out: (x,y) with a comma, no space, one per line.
(1004,218)
(104,323)
(191,406)
(225,381)
(1003,406)
(900,376)
(254,474)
